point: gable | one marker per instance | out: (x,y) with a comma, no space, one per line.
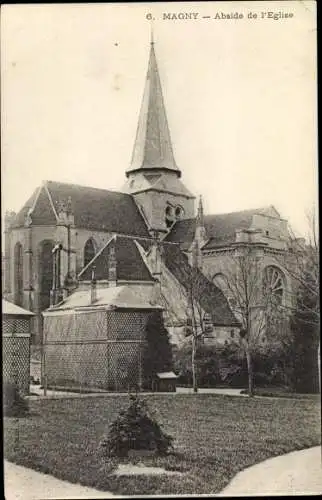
(129,263)
(22,214)
(42,210)
(43,213)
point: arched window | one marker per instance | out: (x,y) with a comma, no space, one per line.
(179,212)
(18,274)
(45,272)
(274,285)
(89,251)
(169,215)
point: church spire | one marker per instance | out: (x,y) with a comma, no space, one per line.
(152,148)
(200,220)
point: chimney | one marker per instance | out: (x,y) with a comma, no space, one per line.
(112,264)
(155,256)
(93,287)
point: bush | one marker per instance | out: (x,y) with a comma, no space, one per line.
(226,365)
(135,429)
(157,356)
(15,405)
(208,374)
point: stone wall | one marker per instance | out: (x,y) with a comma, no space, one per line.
(154,204)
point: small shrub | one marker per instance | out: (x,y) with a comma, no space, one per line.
(15,405)
(134,429)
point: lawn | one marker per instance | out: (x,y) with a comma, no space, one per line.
(215,437)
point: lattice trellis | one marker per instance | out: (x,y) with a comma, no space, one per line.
(90,325)
(16,361)
(126,325)
(58,327)
(95,349)
(124,365)
(76,364)
(16,325)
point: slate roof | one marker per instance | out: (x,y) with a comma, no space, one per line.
(21,215)
(182,232)
(210,297)
(119,297)
(129,263)
(12,309)
(152,148)
(220,228)
(93,208)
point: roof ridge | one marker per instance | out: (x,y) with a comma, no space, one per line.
(246,210)
(50,198)
(86,186)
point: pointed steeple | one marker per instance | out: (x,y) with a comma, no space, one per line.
(153,149)
(200,219)
(200,238)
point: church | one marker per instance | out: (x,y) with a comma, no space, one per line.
(60,241)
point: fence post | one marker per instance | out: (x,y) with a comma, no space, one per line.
(140,367)
(44,374)
(45,384)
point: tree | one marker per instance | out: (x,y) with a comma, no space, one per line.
(254,301)
(195,323)
(305,330)
(301,261)
(196,299)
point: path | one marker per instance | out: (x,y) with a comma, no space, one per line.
(227,391)
(299,472)
(52,394)
(296,473)
(26,484)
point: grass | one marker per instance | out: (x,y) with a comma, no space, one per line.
(215,437)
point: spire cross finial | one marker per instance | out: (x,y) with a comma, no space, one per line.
(151,33)
(200,208)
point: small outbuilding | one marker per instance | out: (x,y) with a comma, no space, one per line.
(96,338)
(98,345)
(16,333)
(165,382)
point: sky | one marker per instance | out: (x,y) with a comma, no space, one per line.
(240,96)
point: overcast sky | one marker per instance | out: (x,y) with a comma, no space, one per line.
(240,98)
